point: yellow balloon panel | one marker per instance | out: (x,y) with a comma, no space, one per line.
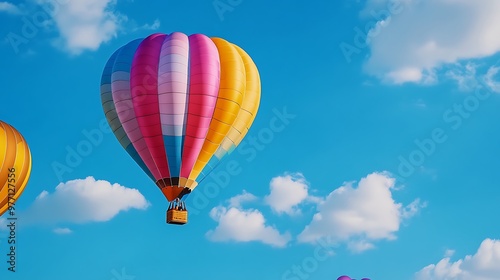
(208,152)
(251,101)
(231,95)
(8,145)
(15,167)
(246,115)
(17,173)
(232,85)
(225,117)
(227,107)
(216,136)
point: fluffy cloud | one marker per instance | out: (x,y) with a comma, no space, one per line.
(405,48)
(244,225)
(62,231)
(9,8)
(465,76)
(84,24)
(84,200)
(237,201)
(484,265)
(354,216)
(449,253)
(491,79)
(359,216)
(153,26)
(287,193)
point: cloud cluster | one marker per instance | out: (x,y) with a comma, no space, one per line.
(84,24)
(9,8)
(287,193)
(410,49)
(62,231)
(235,223)
(83,200)
(483,265)
(360,215)
(239,200)
(153,26)
(242,225)
(357,216)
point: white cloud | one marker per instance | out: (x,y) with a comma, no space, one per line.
(464,75)
(491,79)
(85,24)
(43,194)
(287,192)
(359,246)
(412,209)
(484,265)
(359,216)
(237,201)
(84,200)
(9,8)
(62,231)
(409,74)
(449,253)
(406,48)
(154,26)
(244,226)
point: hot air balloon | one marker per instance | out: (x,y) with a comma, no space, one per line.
(15,166)
(345,277)
(178,104)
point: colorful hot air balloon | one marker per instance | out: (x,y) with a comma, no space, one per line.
(344,277)
(15,166)
(178,104)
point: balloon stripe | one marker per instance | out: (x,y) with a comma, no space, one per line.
(116,74)
(144,84)
(245,117)
(232,84)
(17,155)
(9,161)
(203,87)
(21,166)
(172,96)
(3,150)
(107,97)
(10,156)
(248,109)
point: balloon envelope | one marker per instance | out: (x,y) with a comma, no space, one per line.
(178,104)
(15,166)
(344,278)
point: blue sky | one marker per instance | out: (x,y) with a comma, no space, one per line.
(374,152)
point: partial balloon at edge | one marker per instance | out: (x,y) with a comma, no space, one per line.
(15,167)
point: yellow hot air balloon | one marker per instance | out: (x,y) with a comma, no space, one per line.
(15,166)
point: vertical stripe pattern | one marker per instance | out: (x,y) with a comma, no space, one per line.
(178,104)
(15,165)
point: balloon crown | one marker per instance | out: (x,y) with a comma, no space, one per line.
(345,277)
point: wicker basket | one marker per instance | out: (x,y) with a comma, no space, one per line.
(177,217)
